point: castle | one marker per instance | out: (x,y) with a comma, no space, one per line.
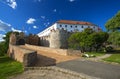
(56,35)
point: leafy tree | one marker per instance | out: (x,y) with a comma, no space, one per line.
(81,40)
(114,38)
(87,39)
(113,24)
(99,38)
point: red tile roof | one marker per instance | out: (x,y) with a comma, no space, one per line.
(74,22)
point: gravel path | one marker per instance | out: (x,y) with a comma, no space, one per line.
(51,73)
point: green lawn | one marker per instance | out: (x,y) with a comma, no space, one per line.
(9,67)
(96,53)
(113,58)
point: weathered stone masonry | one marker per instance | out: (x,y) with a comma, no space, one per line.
(25,56)
(57,39)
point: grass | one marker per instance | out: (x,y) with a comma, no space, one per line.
(9,67)
(113,58)
(96,53)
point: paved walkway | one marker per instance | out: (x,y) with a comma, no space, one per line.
(49,58)
(96,69)
(99,58)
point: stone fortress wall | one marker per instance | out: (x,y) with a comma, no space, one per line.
(25,56)
(57,39)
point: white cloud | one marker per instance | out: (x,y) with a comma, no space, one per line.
(43,17)
(4,26)
(15,30)
(46,24)
(55,10)
(11,3)
(71,0)
(35,27)
(1,37)
(31,21)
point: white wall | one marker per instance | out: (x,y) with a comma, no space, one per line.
(67,27)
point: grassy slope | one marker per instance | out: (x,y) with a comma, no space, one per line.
(113,58)
(95,53)
(9,67)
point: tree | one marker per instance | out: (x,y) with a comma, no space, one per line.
(114,38)
(87,39)
(81,40)
(113,24)
(99,38)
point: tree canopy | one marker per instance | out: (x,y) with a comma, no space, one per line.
(113,24)
(87,39)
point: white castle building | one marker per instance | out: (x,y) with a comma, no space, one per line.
(56,35)
(70,26)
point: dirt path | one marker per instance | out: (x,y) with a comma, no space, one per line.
(49,58)
(99,58)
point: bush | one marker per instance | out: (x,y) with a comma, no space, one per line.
(109,49)
(3,49)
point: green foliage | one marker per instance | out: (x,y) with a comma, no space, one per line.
(114,38)
(87,39)
(3,48)
(113,58)
(109,49)
(9,67)
(113,24)
(5,45)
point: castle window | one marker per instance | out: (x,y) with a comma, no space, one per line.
(65,25)
(71,26)
(88,26)
(82,27)
(76,26)
(94,27)
(60,25)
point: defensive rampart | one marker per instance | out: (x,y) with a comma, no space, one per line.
(57,51)
(25,56)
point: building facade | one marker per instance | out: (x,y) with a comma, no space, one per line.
(56,35)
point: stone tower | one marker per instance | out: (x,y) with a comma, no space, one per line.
(58,39)
(17,39)
(13,39)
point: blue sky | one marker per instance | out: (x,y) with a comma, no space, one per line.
(33,16)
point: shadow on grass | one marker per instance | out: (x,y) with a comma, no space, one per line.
(4,59)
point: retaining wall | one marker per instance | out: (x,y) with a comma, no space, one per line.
(25,56)
(57,51)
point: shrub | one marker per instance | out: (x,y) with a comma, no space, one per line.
(109,49)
